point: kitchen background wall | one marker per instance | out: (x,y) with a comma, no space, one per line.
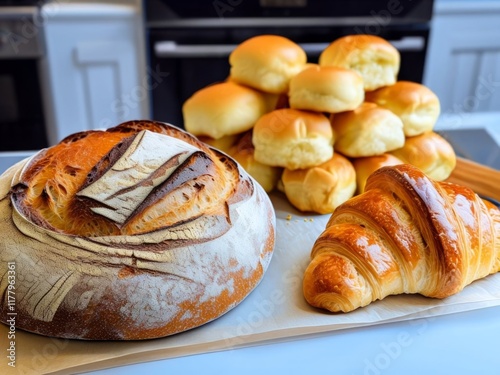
(96,75)
(463,64)
(463,61)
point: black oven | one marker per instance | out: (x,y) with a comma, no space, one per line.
(190,41)
(22,120)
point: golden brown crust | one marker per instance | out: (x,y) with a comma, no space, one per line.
(405,234)
(49,195)
(223,109)
(367,131)
(371,56)
(151,232)
(429,152)
(321,188)
(326,89)
(267,63)
(364,167)
(293,138)
(416,105)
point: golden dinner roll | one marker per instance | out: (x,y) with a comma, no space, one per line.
(367,131)
(416,105)
(430,153)
(223,109)
(364,167)
(293,139)
(321,188)
(326,89)
(371,56)
(272,100)
(267,62)
(243,152)
(223,144)
(309,65)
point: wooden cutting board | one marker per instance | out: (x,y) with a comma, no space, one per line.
(484,180)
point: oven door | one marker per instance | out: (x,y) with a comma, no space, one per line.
(21,114)
(195,58)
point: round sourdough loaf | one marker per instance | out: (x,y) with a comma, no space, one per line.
(137,232)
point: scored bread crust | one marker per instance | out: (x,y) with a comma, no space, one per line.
(114,239)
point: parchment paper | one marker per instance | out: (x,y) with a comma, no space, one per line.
(275,310)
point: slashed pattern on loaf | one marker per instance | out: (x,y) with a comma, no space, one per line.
(146,182)
(125,185)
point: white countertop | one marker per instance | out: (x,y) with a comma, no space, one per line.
(464,120)
(463,343)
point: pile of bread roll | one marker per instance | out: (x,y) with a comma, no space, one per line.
(317,131)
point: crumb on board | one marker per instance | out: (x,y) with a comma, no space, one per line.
(289,217)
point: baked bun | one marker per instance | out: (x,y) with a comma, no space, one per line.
(137,232)
(367,131)
(293,139)
(326,89)
(267,62)
(222,109)
(266,175)
(322,188)
(416,105)
(430,153)
(364,167)
(371,56)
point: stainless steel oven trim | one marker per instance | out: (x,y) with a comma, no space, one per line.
(273,21)
(21,33)
(170,49)
(17,12)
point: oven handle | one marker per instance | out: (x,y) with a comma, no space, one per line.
(170,49)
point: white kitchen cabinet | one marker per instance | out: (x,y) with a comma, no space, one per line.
(463,61)
(93,72)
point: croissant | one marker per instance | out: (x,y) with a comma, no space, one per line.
(405,234)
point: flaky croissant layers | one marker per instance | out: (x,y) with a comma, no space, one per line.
(137,232)
(404,234)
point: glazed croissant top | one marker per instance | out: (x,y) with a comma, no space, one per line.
(405,234)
